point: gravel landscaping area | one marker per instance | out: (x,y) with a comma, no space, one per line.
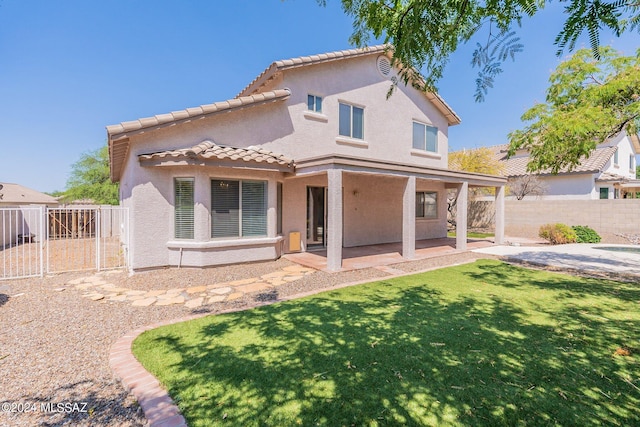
(55,344)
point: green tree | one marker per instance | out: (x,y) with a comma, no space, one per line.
(424,33)
(587,102)
(90,179)
(478,160)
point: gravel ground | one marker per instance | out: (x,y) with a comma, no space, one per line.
(54,344)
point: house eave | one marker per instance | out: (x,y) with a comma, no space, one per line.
(357,164)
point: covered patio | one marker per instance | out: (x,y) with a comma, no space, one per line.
(370,203)
(385,254)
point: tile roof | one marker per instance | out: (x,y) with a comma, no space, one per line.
(209,150)
(118,135)
(15,195)
(196,112)
(278,66)
(517,166)
(301,61)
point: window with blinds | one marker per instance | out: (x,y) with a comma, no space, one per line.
(183,189)
(238,208)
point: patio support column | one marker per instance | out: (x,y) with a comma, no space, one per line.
(409,219)
(461,216)
(334,219)
(499,231)
(272,206)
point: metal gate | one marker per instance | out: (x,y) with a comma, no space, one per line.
(54,240)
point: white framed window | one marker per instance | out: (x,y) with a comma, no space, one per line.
(183,205)
(615,158)
(427,204)
(238,208)
(351,121)
(425,137)
(632,163)
(314,103)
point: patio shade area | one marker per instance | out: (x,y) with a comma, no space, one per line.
(386,254)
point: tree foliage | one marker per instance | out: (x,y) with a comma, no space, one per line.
(424,33)
(90,179)
(477,160)
(587,102)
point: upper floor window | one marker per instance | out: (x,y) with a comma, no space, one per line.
(425,137)
(314,103)
(632,163)
(615,158)
(427,204)
(183,205)
(238,208)
(351,121)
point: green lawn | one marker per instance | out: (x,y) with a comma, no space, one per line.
(479,344)
(472,235)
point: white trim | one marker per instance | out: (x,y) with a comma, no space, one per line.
(312,115)
(425,153)
(227,243)
(340,139)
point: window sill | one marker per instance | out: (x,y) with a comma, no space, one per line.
(428,154)
(345,140)
(227,243)
(422,219)
(319,117)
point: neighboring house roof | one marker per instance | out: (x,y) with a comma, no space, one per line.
(15,194)
(278,67)
(209,150)
(119,134)
(517,166)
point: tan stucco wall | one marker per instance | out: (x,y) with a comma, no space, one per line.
(284,128)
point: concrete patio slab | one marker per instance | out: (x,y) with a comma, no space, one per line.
(589,258)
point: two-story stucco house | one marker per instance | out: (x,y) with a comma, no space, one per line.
(608,173)
(310,154)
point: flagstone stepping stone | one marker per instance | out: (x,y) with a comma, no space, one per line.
(175,291)
(135,293)
(59,289)
(243,281)
(171,301)
(277,282)
(119,298)
(76,281)
(135,297)
(274,274)
(193,303)
(221,291)
(155,293)
(217,298)
(292,278)
(218,285)
(146,302)
(111,295)
(96,297)
(84,287)
(253,287)
(235,295)
(196,289)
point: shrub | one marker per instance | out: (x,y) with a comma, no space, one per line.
(557,234)
(586,234)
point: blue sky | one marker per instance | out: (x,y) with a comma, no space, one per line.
(70,68)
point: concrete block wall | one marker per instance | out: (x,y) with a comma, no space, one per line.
(524,217)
